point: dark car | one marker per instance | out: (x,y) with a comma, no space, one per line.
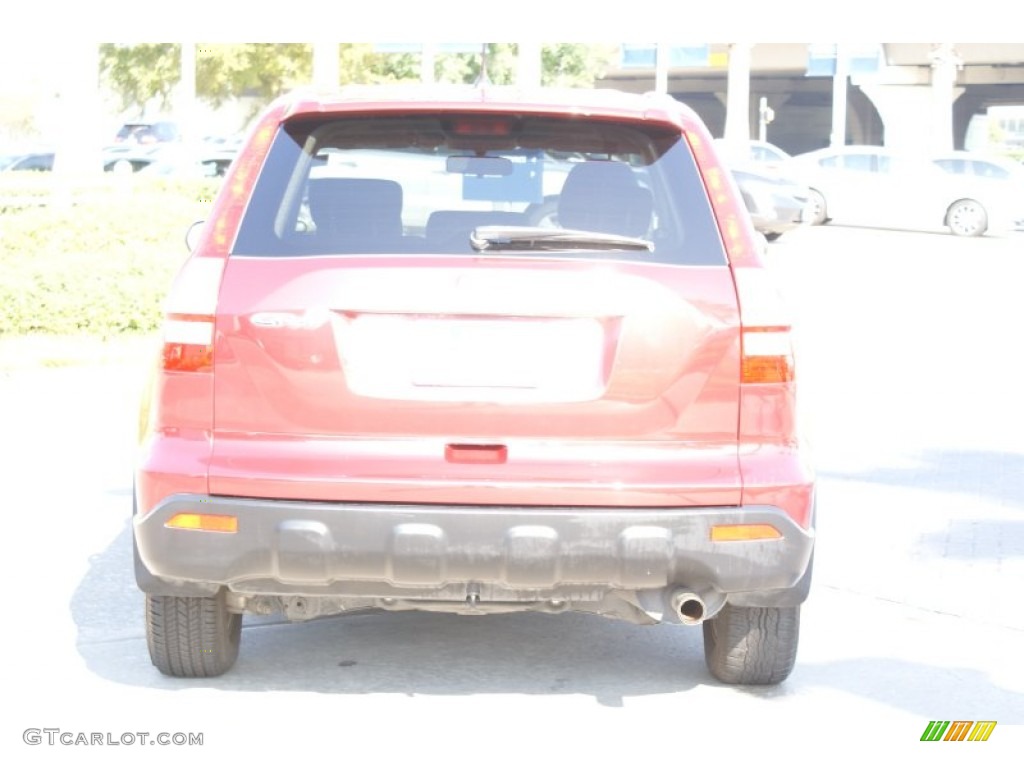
(385,389)
(776,204)
(159,132)
(157,161)
(29,161)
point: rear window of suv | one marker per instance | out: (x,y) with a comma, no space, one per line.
(424,183)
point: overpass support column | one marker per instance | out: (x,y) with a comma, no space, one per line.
(945,64)
(906,112)
(916,106)
(737,104)
(837,138)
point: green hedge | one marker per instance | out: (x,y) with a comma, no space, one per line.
(92,258)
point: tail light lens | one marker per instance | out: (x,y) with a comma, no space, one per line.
(219,234)
(189,323)
(733,219)
(192,304)
(767,355)
(766,340)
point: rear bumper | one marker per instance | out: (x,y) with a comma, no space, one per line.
(437,552)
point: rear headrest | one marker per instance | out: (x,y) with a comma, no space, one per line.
(357,207)
(604,196)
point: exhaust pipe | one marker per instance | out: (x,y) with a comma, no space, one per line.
(688,606)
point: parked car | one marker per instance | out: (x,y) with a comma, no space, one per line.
(877,186)
(27,161)
(755,152)
(776,204)
(179,162)
(476,409)
(158,132)
(1004,175)
(981,165)
(127,158)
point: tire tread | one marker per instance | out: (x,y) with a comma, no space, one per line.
(752,646)
(192,636)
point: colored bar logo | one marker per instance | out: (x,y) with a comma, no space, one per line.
(958,730)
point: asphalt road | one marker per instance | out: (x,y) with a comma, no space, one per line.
(909,351)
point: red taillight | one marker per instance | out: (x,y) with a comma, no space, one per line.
(767,355)
(189,323)
(733,218)
(192,304)
(766,341)
(188,343)
(482,126)
(219,235)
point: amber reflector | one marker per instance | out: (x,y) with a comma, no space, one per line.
(195,521)
(767,370)
(744,532)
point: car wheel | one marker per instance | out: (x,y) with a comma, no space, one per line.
(192,636)
(967,218)
(819,210)
(771,237)
(122,168)
(752,646)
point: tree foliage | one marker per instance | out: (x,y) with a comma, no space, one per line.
(263,70)
(465,67)
(140,74)
(360,63)
(572,64)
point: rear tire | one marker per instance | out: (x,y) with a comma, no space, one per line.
(967,218)
(752,646)
(819,208)
(192,636)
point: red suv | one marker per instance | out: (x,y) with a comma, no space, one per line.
(477,351)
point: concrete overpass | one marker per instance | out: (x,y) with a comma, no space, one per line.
(896,94)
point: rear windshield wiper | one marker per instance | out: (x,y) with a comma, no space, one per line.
(545,239)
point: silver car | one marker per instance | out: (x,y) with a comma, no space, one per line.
(876,186)
(1004,175)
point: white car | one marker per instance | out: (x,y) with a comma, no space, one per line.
(1004,175)
(876,186)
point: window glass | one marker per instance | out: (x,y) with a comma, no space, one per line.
(860,162)
(425,183)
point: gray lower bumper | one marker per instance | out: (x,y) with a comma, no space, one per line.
(433,552)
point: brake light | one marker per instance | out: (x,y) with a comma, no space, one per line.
(481,126)
(188,343)
(766,340)
(767,355)
(219,235)
(188,330)
(733,218)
